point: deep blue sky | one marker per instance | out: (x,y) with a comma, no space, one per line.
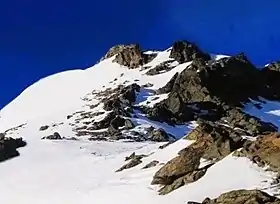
(39,38)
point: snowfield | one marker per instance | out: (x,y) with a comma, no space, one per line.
(82,171)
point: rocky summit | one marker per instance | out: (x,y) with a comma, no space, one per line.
(141,124)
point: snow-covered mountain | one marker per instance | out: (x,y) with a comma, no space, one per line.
(170,126)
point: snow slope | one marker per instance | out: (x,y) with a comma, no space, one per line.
(82,171)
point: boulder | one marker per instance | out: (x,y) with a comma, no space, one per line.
(151,164)
(184,180)
(44,127)
(54,136)
(187,162)
(129,124)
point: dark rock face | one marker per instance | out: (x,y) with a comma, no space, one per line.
(214,82)
(271,75)
(215,91)
(9,146)
(54,136)
(184,51)
(264,151)
(242,197)
(129,55)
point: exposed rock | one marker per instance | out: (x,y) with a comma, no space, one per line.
(264,151)
(128,124)
(271,77)
(184,51)
(116,123)
(159,135)
(129,55)
(2,136)
(252,125)
(151,164)
(213,82)
(184,180)
(132,163)
(135,156)
(147,85)
(166,145)
(161,68)
(168,87)
(8,147)
(54,136)
(242,197)
(221,140)
(187,162)
(128,94)
(169,111)
(45,127)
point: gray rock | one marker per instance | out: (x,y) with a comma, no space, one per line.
(45,127)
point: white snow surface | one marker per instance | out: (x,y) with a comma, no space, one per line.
(82,171)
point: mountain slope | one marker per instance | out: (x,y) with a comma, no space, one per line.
(79,164)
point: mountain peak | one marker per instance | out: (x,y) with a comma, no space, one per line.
(197,124)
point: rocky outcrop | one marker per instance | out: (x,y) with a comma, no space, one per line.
(202,82)
(221,140)
(264,151)
(187,162)
(159,135)
(252,125)
(161,68)
(184,180)
(242,197)
(168,87)
(213,142)
(133,159)
(129,55)
(271,76)
(202,91)
(184,51)
(132,163)
(9,146)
